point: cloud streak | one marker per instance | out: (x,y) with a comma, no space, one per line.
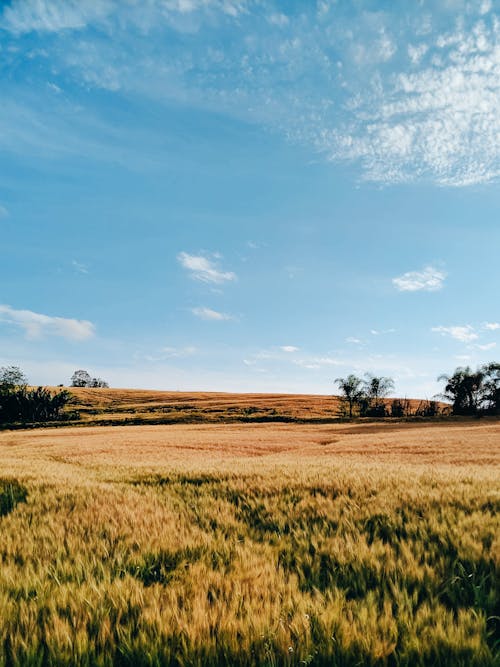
(428,279)
(204,269)
(36,325)
(210,315)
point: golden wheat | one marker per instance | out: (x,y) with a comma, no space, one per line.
(244,545)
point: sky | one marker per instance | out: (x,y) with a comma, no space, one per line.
(249,195)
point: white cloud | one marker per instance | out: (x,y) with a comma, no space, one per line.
(23,16)
(318,362)
(209,314)
(204,269)
(428,279)
(491,326)
(168,353)
(289,348)
(353,340)
(278,19)
(485,7)
(186,351)
(437,122)
(416,53)
(79,267)
(464,334)
(36,324)
(429,116)
(485,347)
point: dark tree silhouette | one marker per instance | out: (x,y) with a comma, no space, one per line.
(492,387)
(376,388)
(12,377)
(80,379)
(20,403)
(352,391)
(465,389)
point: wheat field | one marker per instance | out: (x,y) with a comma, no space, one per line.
(254,544)
(145,406)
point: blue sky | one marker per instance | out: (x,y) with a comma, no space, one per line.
(246,195)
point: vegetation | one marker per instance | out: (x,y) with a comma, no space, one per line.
(82,378)
(160,547)
(466,392)
(469,392)
(474,392)
(367,396)
(20,403)
(352,391)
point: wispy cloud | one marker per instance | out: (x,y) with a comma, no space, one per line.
(204,269)
(429,279)
(318,362)
(79,267)
(169,352)
(484,347)
(36,324)
(491,326)
(212,315)
(3,212)
(407,97)
(464,334)
(23,16)
(289,348)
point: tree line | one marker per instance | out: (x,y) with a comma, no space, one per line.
(469,392)
(20,403)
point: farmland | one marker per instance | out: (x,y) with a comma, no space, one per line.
(139,406)
(242,544)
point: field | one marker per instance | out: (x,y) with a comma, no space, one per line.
(251,544)
(138,406)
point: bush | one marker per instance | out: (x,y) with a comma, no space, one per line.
(22,404)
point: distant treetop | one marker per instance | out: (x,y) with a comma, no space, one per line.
(82,378)
(12,377)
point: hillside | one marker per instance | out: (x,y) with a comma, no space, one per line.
(122,406)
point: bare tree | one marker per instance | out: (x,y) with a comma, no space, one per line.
(352,390)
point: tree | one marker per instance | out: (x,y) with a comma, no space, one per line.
(20,403)
(98,383)
(352,390)
(80,379)
(465,389)
(400,408)
(376,388)
(12,377)
(492,387)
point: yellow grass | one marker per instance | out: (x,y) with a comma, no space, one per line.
(140,405)
(251,544)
